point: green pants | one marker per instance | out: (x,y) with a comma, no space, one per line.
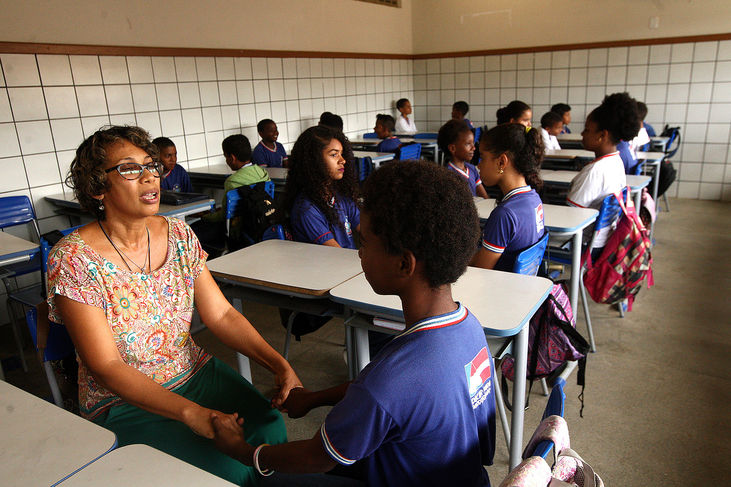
(215,386)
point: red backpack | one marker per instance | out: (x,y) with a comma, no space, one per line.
(625,261)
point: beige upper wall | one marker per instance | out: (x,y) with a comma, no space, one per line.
(467,25)
(300,25)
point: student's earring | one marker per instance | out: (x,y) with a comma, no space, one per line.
(501,171)
(101,205)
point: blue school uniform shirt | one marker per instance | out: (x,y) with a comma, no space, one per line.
(423,411)
(310,225)
(515,224)
(389,144)
(565,130)
(470,175)
(628,159)
(177,180)
(264,156)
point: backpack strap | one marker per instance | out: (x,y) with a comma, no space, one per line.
(570,467)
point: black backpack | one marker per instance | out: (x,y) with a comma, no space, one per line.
(255,214)
(673,133)
(667,172)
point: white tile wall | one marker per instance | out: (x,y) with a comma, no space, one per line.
(686,85)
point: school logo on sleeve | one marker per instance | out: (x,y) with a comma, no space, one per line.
(478,377)
(539,219)
(348,227)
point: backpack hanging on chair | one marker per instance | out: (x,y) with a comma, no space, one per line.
(625,261)
(552,341)
(255,215)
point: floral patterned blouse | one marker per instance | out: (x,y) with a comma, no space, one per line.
(149,314)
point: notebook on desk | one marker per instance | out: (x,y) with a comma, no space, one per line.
(177,198)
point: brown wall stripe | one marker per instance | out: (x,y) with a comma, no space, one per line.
(33,48)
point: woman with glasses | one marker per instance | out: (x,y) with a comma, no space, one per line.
(125,287)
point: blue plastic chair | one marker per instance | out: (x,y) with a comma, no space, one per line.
(408,152)
(233,200)
(554,407)
(478,134)
(18,210)
(365,167)
(608,214)
(425,135)
(370,135)
(529,260)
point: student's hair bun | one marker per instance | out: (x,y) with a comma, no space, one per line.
(618,115)
(511,111)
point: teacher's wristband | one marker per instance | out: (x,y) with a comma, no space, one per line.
(267,471)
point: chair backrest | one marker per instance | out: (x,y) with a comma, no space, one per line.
(425,135)
(478,133)
(554,407)
(58,342)
(46,246)
(370,135)
(233,198)
(529,260)
(408,152)
(364,166)
(609,211)
(637,170)
(16,210)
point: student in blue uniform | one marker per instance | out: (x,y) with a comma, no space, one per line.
(511,159)
(457,140)
(175,177)
(268,152)
(321,190)
(565,111)
(423,411)
(515,112)
(459,112)
(628,158)
(385,125)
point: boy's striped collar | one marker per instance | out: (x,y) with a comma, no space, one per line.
(518,190)
(465,173)
(441,321)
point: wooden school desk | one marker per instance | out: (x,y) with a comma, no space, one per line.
(68,205)
(564,178)
(502,302)
(14,250)
(566,221)
(291,275)
(142,466)
(43,444)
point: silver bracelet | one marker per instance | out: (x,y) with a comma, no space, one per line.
(267,471)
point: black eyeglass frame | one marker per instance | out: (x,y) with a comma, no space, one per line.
(155,168)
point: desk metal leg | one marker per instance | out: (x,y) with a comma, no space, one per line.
(638,201)
(575,270)
(655,186)
(520,348)
(362,352)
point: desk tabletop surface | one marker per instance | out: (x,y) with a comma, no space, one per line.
(212,169)
(641,155)
(375,156)
(564,177)
(283,266)
(10,244)
(373,141)
(558,219)
(572,137)
(43,443)
(68,200)
(486,293)
(569,154)
(141,466)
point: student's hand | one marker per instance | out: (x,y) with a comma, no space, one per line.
(298,403)
(199,419)
(286,381)
(229,437)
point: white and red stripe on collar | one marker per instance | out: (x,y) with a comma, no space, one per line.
(518,190)
(465,173)
(267,148)
(456,316)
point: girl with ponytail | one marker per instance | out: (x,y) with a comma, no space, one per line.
(511,159)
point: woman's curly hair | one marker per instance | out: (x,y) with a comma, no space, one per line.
(308,176)
(86,174)
(424,208)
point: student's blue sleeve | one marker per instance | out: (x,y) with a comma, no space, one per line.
(499,230)
(356,427)
(354,214)
(309,224)
(186,184)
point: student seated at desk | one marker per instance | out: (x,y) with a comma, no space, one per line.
(329,119)
(564,111)
(628,158)
(459,112)
(612,121)
(642,141)
(422,412)
(511,159)
(125,287)
(269,152)
(404,124)
(211,228)
(385,125)
(321,191)
(175,178)
(515,112)
(457,140)
(551,125)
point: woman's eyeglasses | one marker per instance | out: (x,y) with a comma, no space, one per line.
(132,170)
